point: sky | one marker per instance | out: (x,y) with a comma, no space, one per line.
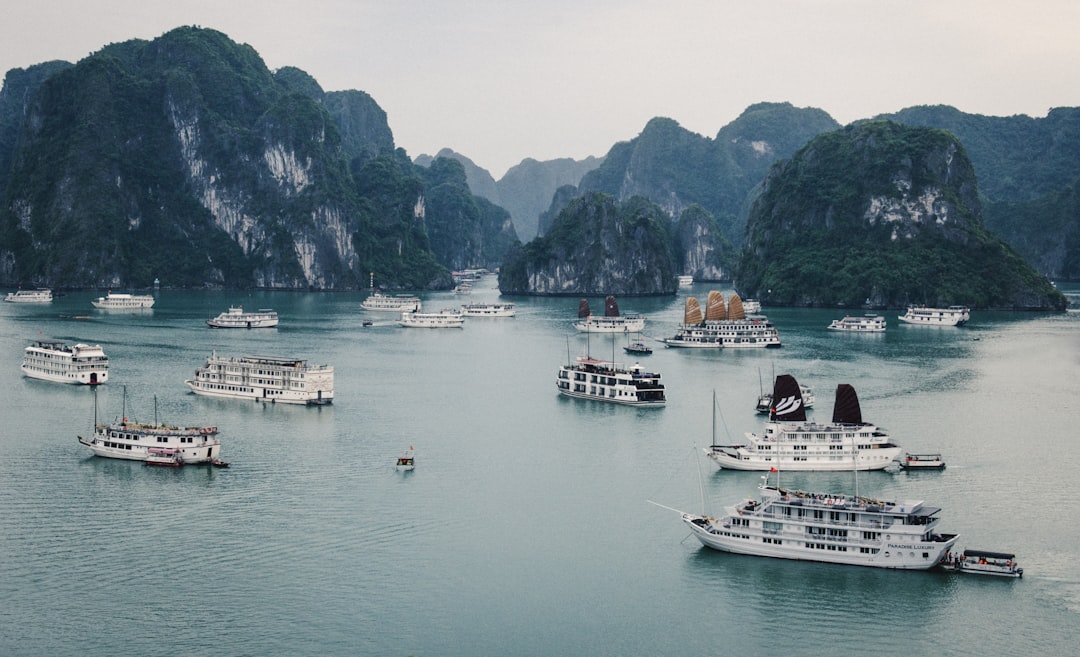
(503,80)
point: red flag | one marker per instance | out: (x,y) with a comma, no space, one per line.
(410,446)
(773,470)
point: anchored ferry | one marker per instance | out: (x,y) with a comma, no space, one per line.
(30,296)
(606,381)
(235,317)
(117,301)
(265,379)
(722,326)
(951,316)
(61,363)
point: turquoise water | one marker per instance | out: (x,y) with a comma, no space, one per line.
(525,529)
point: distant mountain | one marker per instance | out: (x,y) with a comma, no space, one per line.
(883,213)
(526,189)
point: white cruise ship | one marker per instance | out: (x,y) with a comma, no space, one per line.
(951,316)
(61,363)
(118,301)
(722,326)
(265,379)
(445,318)
(488,310)
(235,317)
(790,443)
(868,323)
(386,303)
(606,381)
(833,528)
(30,296)
(610,322)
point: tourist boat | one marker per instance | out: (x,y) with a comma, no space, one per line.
(951,316)
(638,348)
(407,461)
(235,317)
(922,462)
(686,280)
(610,322)
(119,301)
(463,288)
(751,306)
(385,303)
(722,326)
(30,296)
(868,323)
(607,381)
(445,318)
(166,445)
(265,379)
(827,527)
(764,401)
(983,562)
(789,442)
(488,310)
(61,363)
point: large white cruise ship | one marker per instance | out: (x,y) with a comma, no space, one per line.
(385,303)
(790,443)
(61,363)
(445,318)
(265,379)
(235,317)
(722,326)
(605,381)
(119,301)
(951,316)
(610,322)
(834,528)
(30,296)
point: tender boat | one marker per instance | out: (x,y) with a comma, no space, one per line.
(869,323)
(789,442)
(610,322)
(445,318)
(983,562)
(951,316)
(118,301)
(385,303)
(764,401)
(61,363)
(265,379)
(722,326)
(607,381)
(638,348)
(488,310)
(828,527)
(407,461)
(30,296)
(922,462)
(164,456)
(235,317)
(155,444)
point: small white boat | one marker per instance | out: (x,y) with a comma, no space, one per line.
(610,322)
(951,316)
(61,363)
(686,280)
(235,317)
(445,318)
(751,306)
(385,303)
(869,323)
(983,562)
(119,301)
(922,462)
(488,310)
(30,296)
(407,461)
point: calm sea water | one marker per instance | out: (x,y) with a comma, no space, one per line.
(525,529)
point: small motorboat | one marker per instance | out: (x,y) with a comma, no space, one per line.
(983,562)
(638,348)
(407,461)
(218,463)
(164,456)
(922,462)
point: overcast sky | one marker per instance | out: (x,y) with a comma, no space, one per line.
(502,80)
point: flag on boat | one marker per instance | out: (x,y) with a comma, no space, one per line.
(773,470)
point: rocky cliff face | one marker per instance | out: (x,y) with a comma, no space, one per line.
(883,214)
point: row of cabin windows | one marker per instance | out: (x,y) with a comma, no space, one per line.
(160,439)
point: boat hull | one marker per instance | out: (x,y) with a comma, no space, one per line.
(320,398)
(730,458)
(609,400)
(133,452)
(81,378)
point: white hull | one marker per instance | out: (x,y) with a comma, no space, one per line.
(867,324)
(621,324)
(74,378)
(124,302)
(381,303)
(736,458)
(489,310)
(29,296)
(56,362)
(952,316)
(235,317)
(261,394)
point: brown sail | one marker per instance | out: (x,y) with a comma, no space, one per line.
(611,309)
(714,307)
(693,311)
(583,308)
(735,309)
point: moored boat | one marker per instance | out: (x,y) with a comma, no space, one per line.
(638,348)
(264,378)
(722,326)
(869,323)
(983,562)
(121,301)
(488,310)
(164,456)
(922,462)
(235,317)
(155,444)
(790,442)
(610,322)
(951,316)
(606,381)
(445,318)
(407,461)
(62,363)
(30,296)
(385,303)
(828,527)
(686,280)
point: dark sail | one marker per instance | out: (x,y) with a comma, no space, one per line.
(583,308)
(787,404)
(846,409)
(611,309)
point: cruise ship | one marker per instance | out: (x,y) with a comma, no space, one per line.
(155,442)
(722,326)
(488,310)
(828,527)
(610,322)
(235,317)
(951,316)
(445,318)
(29,296)
(265,379)
(790,443)
(61,363)
(607,381)
(118,301)
(869,323)
(386,303)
